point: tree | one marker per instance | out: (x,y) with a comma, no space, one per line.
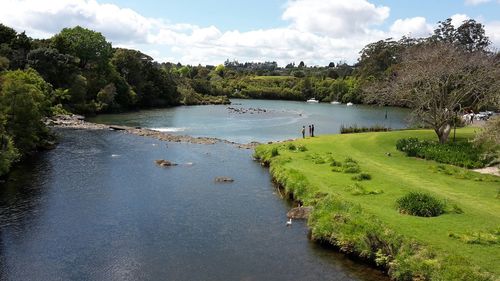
(89,46)
(376,58)
(220,69)
(6,34)
(470,35)
(302,64)
(437,79)
(331,64)
(8,153)
(20,45)
(106,96)
(24,100)
(56,68)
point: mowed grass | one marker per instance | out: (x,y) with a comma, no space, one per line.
(396,175)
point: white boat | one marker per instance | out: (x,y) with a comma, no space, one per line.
(349,104)
(335,102)
(312,100)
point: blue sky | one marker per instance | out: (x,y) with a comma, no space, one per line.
(211,31)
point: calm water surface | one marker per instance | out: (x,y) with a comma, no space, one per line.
(98,208)
(281,120)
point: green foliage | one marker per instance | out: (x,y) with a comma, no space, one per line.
(89,46)
(291,146)
(106,97)
(463,174)
(302,148)
(24,100)
(362,177)
(490,237)
(358,189)
(463,154)
(420,204)
(274,152)
(8,152)
(355,129)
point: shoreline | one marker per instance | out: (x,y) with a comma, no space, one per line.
(77,122)
(340,220)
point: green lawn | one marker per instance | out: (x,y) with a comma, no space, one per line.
(396,175)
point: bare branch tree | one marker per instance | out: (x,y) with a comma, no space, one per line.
(437,79)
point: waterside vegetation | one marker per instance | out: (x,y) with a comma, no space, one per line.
(418,219)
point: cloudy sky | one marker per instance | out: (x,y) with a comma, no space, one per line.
(211,31)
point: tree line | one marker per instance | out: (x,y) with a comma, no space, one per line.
(77,70)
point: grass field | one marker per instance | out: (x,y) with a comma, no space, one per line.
(462,244)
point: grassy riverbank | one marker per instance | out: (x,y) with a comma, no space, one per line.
(360,217)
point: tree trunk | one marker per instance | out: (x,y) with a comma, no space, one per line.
(443,132)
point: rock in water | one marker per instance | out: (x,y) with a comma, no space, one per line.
(299,213)
(223,179)
(164,163)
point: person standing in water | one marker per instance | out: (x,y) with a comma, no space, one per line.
(303,132)
(312,130)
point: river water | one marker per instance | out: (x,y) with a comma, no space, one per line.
(98,208)
(281,119)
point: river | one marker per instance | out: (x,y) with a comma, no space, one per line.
(281,119)
(98,208)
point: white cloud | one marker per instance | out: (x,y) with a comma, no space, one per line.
(412,27)
(458,19)
(492,30)
(475,2)
(337,18)
(315,31)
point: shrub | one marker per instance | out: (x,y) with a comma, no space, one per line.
(291,146)
(420,204)
(335,163)
(355,129)
(302,148)
(358,189)
(274,152)
(463,154)
(362,177)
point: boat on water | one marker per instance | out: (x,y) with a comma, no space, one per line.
(349,104)
(312,100)
(335,102)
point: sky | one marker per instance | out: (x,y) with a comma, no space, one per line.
(212,31)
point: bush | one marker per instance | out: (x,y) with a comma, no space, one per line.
(420,204)
(302,148)
(355,129)
(291,146)
(463,154)
(274,152)
(362,177)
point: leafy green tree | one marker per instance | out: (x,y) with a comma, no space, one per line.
(20,45)
(56,68)
(89,46)
(24,100)
(78,91)
(220,69)
(106,96)
(8,152)
(7,34)
(376,58)
(469,35)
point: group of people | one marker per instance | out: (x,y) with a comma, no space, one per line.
(311,131)
(468,117)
